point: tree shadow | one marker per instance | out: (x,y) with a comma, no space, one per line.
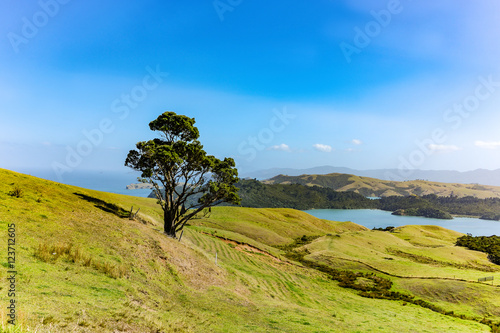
(105,206)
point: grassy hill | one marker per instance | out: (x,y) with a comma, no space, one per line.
(84,266)
(373,187)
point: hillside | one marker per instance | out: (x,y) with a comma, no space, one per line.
(84,266)
(372,187)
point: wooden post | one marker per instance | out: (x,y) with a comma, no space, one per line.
(181,235)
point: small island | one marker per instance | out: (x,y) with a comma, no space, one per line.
(425,212)
(139,186)
(491,216)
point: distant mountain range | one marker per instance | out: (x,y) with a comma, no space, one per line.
(479,176)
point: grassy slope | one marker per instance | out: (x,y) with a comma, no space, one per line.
(166,285)
(381,188)
(391,253)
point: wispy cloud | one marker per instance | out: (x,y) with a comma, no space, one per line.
(487,144)
(322,147)
(356,142)
(281,147)
(443,148)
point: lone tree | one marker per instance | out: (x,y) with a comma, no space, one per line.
(178,163)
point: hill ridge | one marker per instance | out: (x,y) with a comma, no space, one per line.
(480,176)
(373,187)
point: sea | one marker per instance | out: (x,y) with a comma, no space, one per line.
(100,180)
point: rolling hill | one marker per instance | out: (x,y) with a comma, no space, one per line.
(83,266)
(372,187)
(479,176)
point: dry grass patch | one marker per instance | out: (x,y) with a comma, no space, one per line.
(51,253)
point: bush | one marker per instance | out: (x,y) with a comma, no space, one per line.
(16,192)
(486,244)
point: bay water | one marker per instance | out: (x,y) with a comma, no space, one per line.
(374,218)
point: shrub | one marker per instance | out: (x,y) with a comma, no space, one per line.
(16,192)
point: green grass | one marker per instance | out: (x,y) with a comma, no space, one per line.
(393,254)
(110,273)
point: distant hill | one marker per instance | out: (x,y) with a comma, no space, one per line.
(372,187)
(479,176)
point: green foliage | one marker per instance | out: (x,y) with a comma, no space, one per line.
(425,212)
(492,216)
(388,228)
(472,206)
(179,169)
(258,195)
(298,242)
(486,244)
(434,206)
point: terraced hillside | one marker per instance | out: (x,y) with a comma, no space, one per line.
(372,187)
(84,266)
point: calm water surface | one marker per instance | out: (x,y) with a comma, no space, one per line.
(106,181)
(372,218)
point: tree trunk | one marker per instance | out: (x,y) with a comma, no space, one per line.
(168,224)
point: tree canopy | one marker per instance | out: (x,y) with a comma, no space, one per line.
(178,168)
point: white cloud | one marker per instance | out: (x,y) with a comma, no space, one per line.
(443,148)
(356,142)
(487,145)
(281,147)
(322,147)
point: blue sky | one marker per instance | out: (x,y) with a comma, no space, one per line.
(361,84)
